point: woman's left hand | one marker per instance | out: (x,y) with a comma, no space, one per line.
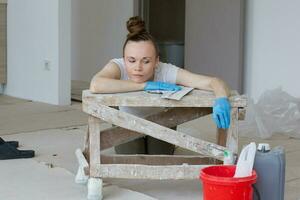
(221,112)
(157,85)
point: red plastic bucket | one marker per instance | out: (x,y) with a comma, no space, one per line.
(219,184)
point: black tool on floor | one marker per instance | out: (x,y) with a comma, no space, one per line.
(12,143)
(8,150)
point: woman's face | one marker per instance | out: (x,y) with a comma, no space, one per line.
(140,60)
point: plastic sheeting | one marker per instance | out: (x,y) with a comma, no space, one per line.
(275,112)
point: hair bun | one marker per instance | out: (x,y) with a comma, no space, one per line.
(135,26)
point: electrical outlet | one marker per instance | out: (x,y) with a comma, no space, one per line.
(47,65)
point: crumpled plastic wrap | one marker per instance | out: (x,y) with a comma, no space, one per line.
(275,112)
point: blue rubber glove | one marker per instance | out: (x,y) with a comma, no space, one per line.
(156,85)
(221,112)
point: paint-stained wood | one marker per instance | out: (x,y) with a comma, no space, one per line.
(194,105)
(155,159)
(86,146)
(221,136)
(149,172)
(94,143)
(170,117)
(117,135)
(221,140)
(242,113)
(197,98)
(232,133)
(132,122)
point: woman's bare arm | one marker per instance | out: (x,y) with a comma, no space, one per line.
(189,79)
(108,81)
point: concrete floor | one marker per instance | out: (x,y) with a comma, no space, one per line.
(54,132)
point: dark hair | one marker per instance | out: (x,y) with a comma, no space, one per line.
(137,32)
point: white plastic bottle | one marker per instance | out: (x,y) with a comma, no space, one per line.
(245,162)
(228,158)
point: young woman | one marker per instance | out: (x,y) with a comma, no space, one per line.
(140,69)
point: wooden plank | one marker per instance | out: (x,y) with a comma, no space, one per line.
(156,159)
(242,113)
(197,98)
(94,138)
(221,140)
(229,138)
(149,172)
(86,145)
(172,117)
(232,133)
(221,137)
(117,135)
(132,122)
(169,118)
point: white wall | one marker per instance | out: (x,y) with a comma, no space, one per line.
(64,52)
(272,46)
(38,31)
(98,33)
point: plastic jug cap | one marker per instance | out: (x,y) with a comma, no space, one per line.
(263,147)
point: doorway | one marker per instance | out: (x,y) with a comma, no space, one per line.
(165,20)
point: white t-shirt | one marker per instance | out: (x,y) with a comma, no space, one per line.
(164,72)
